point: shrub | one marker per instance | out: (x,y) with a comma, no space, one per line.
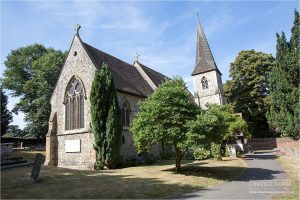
(201,153)
(215,151)
(225,151)
(98,165)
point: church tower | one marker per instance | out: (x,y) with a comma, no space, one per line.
(207,79)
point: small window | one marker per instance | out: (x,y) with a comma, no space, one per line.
(204,83)
(125,114)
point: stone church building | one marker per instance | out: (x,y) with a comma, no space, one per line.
(69,141)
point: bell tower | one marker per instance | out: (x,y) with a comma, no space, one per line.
(207,78)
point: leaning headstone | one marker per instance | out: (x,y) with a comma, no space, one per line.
(36,167)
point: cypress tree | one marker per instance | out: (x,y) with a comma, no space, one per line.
(105,114)
(283,115)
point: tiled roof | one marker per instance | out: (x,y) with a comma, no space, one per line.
(156,77)
(204,59)
(126,77)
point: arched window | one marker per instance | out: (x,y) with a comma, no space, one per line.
(125,114)
(74,105)
(204,83)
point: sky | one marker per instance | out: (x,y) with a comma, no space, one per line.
(163,33)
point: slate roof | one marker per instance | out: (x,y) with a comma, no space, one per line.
(204,59)
(126,77)
(156,77)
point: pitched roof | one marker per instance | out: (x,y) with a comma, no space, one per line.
(126,77)
(204,59)
(156,77)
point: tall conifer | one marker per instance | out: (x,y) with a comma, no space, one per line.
(284,112)
(105,114)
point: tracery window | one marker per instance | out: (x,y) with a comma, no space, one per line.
(74,105)
(125,114)
(204,83)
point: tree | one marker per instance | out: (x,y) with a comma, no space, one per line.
(249,89)
(105,114)
(163,117)
(13,131)
(6,116)
(214,125)
(31,74)
(284,112)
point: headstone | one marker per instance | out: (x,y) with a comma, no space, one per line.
(232,151)
(36,167)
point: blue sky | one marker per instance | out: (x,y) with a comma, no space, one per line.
(162,32)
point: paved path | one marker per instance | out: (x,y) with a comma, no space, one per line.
(263,168)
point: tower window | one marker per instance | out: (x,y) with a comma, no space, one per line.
(204,83)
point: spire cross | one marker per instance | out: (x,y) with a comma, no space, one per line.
(136,57)
(198,15)
(76,28)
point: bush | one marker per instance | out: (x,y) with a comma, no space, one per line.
(215,151)
(225,151)
(201,153)
(98,165)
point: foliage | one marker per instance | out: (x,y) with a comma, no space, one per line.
(163,117)
(6,116)
(215,151)
(225,152)
(215,124)
(248,90)
(284,112)
(201,153)
(14,131)
(31,73)
(105,114)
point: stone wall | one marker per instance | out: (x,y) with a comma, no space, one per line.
(289,147)
(84,159)
(286,146)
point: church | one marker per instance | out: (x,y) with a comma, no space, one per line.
(69,141)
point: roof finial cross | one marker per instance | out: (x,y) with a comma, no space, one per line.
(76,28)
(136,57)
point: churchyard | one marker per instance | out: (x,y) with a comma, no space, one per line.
(158,180)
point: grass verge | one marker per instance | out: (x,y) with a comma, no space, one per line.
(292,167)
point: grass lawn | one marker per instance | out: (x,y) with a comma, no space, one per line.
(292,167)
(152,181)
(26,154)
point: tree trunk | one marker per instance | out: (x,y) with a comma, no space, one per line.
(178,159)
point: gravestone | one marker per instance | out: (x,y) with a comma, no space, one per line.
(232,151)
(36,167)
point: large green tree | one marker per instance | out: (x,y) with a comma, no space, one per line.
(284,112)
(105,114)
(6,116)
(31,74)
(248,89)
(163,117)
(215,125)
